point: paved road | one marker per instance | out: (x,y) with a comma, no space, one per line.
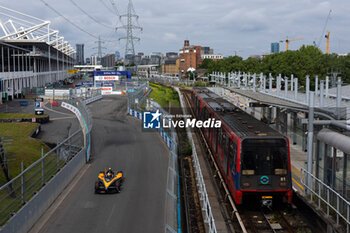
(119,143)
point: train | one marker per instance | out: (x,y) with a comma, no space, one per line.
(253,158)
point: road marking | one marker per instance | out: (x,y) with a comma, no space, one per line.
(298,184)
(38,226)
(61,118)
(110,215)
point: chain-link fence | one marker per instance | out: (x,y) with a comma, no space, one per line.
(137,95)
(23,187)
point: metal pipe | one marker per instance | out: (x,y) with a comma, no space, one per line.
(254,77)
(307,88)
(321,93)
(310,136)
(339,94)
(296,89)
(23,184)
(42,167)
(2,59)
(327,86)
(279,84)
(340,125)
(316,85)
(285,86)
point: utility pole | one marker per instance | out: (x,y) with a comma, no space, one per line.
(129,27)
(99,49)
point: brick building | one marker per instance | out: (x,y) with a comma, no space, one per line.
(190,57)
(170,67)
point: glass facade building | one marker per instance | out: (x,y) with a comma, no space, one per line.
(275,47)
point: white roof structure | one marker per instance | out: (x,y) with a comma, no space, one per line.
(191,69)
(19,27)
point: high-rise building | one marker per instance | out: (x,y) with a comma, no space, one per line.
(155,59)
(206,50)
(117,54)
(190,57)
(275,47)
(93,60)
(87,61)
(108,60)
(80,54)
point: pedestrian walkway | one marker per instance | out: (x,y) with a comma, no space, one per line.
(298,161)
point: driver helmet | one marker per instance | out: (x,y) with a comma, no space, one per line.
(109,173)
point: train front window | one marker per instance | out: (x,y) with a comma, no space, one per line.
(264,157)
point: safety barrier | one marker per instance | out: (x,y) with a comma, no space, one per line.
(25,198)
(16,196)
(172,215)
(92,99)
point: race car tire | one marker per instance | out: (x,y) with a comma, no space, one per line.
(96,187)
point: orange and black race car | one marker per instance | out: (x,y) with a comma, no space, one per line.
(108,181)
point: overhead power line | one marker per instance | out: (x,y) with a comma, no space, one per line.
(68,20)
(114,7)
(108,8)
(92,18)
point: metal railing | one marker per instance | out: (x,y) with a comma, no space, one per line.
(138,95)
(326,199)
(285,88)
(22,188)
(172,80)
(19,190)
(209,219)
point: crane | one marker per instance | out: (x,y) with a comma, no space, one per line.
(327,37)
(289,40)
(324,28)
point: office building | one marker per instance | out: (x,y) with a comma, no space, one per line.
(275,47)
(80,54)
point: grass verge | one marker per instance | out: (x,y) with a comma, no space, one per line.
(164,95)
(20,115)
(21,148)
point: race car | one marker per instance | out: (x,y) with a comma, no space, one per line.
(108,181)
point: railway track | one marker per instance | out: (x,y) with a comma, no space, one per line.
(263,220)
(194,221)
(253,218)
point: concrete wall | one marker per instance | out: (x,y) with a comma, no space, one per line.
(25,218)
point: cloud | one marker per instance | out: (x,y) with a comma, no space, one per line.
(170,37)
(225,25)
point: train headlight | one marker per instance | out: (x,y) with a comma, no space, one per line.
(246,184)
(283,179)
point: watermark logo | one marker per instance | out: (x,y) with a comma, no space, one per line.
(155,120)
(151,120)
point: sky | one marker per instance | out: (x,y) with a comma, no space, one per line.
(244,27)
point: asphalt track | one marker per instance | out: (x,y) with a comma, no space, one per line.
(119,143)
